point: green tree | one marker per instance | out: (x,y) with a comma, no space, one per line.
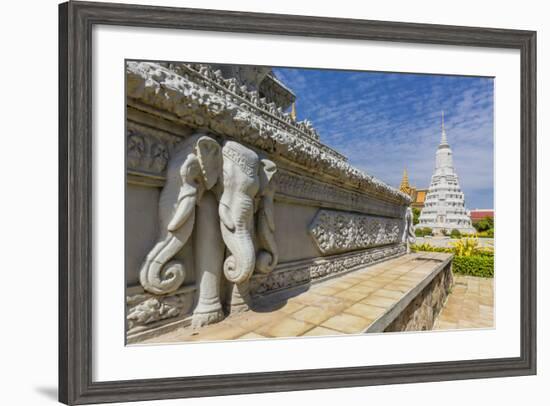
(455,233)
(485,224)
(416,216)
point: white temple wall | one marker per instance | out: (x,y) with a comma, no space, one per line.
(314,216)
(291,231)
(141,222)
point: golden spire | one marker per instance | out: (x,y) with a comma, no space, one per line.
(405,187)
(293,111)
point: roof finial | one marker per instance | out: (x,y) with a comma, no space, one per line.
(405,187)
(443,134)
(293,111)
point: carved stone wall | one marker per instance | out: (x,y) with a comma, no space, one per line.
(271,164)
(335,231)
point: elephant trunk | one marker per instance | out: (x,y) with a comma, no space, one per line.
(239,266)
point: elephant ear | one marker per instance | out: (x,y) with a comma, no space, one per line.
(210,159)
(267,170)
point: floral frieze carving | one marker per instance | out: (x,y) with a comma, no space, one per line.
(145,153)
(144,309)
(335,231)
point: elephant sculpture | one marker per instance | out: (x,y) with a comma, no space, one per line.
(241,183)
(409,236)
(247,189)
(194,169)
(240,186)
(268,255)
(195,204)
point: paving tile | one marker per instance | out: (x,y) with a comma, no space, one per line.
(340,285)
(398,286)
(291,307)
(313,314)
(347,323)
(373,283)
(353,279)
(322,331)
(287,327)
(468,305)
(363,277)
(444,325)
(365,311)
(379,301)
(218,331)
(486,302)
(483,308)
(325,290)
(252,320)
(352,296)
(361,288)
(251,336)
(310,298)
(411,278)
(383,279)
(392,294)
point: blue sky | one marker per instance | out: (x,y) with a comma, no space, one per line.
(385,121)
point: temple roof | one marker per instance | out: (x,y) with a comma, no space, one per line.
(405,187)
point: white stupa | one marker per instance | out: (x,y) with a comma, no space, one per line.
(444,205)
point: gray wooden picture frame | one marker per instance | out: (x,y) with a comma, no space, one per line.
(76,20)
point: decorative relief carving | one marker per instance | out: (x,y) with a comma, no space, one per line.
(144,308)
(294,186)
(217,196)
(194,169)
(336,231)
(201,97)
(303,272)
(147,150)
(249,167)
(268,254)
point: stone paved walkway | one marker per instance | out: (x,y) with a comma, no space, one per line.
(348,304)
(470,304)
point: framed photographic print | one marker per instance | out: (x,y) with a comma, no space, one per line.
(259,202)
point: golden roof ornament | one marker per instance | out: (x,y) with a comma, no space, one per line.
(405,187)
(293,111)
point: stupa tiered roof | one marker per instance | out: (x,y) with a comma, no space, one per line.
(444,205)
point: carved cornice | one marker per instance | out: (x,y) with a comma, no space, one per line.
(202,98)
(290,275)
(299,189)
(336,231)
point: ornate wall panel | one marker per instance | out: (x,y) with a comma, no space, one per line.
(335,231)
